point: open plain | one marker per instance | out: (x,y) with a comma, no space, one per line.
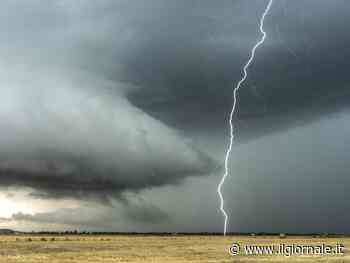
(160,249)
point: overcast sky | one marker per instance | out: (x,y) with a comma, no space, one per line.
(118,110)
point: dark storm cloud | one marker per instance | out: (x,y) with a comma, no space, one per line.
(189,62)
(66,129)
(149,68)
(66,136)
(186,55)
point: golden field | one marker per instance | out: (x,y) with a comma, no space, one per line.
(148,248)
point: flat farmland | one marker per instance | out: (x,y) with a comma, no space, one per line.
(162,249)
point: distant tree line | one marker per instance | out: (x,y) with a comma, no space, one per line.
(77,232)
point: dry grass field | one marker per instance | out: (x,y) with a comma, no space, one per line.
(160,249)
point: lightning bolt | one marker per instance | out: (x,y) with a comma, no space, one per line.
(239,84)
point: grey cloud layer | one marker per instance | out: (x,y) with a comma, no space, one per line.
(152,66)
(68,136)
(68,133)
(102,217)
(299,73)
(186,55)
